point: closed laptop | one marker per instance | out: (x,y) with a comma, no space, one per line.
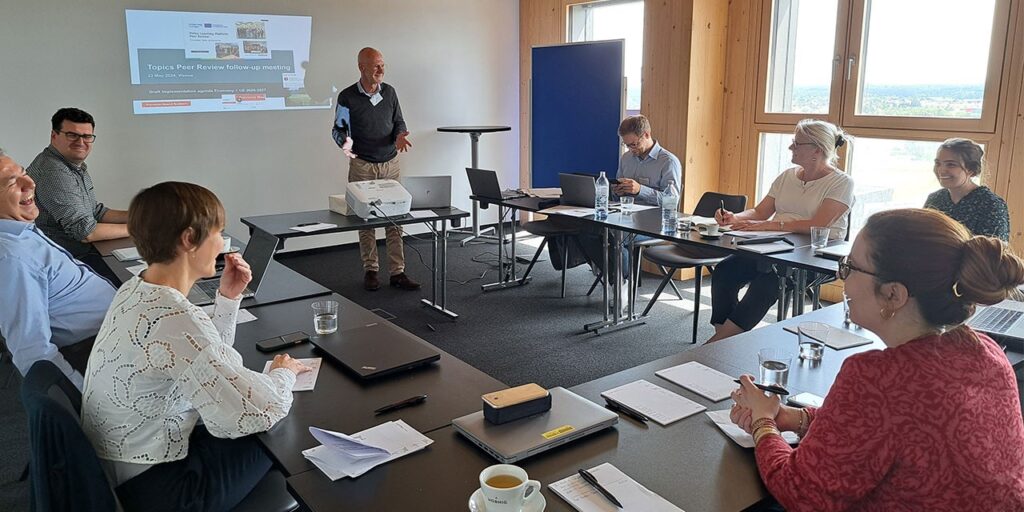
(375,350)
(570,418)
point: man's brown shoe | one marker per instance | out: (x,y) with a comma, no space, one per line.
(402,281)
(370,281)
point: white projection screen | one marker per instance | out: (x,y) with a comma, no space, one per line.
(184,62)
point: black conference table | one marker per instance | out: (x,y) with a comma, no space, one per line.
(691,463)
(281,224)
(340,401)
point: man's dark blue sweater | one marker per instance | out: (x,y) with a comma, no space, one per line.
(374,128)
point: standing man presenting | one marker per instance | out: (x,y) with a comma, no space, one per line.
(372,133)
(68,211)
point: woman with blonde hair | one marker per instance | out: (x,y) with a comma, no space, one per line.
(933,421)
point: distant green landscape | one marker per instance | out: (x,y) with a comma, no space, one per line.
(953,101)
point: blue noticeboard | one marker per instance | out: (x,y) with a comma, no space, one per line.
(576,105)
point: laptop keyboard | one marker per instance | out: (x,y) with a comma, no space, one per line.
(996,320)
(210,287)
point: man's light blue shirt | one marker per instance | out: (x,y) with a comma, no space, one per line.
(50,300)
(654,172)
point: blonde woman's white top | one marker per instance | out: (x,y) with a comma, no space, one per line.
(796,199)
(160,364)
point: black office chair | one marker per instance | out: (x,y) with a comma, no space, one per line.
(672,257)
(77,481)
(549,230)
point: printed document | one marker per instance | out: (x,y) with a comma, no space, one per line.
(303,381)
(655,402)
(342,455)
(707,382)
(633,496)
(722,421)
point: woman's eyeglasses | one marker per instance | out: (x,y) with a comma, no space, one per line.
(845,267)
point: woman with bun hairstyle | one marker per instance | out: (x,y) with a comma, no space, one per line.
(813,193)
(975,206)
(933,421)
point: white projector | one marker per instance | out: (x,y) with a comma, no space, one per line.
(377,198)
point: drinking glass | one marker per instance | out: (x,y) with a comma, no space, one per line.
(774,366)
(812,336)
(325,316)
(819,237)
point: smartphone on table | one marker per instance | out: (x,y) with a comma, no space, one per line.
(279,342)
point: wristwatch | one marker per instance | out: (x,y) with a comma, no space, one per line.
(782,225)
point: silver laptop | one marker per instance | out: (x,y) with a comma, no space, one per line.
(429,191)
(258,254)
(1004,319)
(570,418)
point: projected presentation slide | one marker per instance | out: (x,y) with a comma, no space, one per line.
(217,62)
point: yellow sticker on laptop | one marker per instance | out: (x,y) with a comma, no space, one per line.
(560,431)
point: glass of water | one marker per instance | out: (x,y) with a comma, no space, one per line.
(774,366)
(812,336)
(626,202)
(325,316)
(819,237)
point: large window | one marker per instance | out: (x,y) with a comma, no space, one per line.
(614,19)
(899,75)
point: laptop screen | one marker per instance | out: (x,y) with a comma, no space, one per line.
(258,254)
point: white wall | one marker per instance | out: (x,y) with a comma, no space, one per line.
(453,62)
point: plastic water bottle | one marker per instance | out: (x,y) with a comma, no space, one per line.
(601,197)
(669,208)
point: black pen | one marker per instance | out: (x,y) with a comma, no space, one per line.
(419,399)
(600,488)
(771,389)
(615,406)
(722,201)
(306,224)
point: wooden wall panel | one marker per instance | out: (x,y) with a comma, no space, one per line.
(739,138)
(1006,155)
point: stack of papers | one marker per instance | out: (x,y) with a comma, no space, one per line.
(126,254)
(341,455)
(303,381)
(549,193)
(309,228)
(572,211)
(422,214)
(769,248)
(633,496)
(655,402)
(757,234)
(707,382)
(721,419)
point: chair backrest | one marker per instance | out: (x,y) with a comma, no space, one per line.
(710,202)
(65,472)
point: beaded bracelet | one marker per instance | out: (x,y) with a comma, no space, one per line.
(760,422)
(764,431)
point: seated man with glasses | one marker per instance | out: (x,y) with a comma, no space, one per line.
(68,211)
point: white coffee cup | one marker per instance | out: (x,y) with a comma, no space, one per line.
(227,244)
(712,229)
(500,496)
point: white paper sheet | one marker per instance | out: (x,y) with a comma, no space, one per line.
(722,421)
(633,496)
(303,381)
(126,254)
(137,269)
(422,214)
(336,459)
(547,193)
(655,402)
(769,248)
(636,207)
(243,314)
(839,338)
(572,211)
(707,382)
(757,234)
(313,227)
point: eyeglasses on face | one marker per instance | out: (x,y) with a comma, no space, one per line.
(88,138)
(845,267)
(798,144)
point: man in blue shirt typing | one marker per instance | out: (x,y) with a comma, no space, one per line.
(53,304)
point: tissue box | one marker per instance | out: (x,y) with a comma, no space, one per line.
(515,403)
(337,204)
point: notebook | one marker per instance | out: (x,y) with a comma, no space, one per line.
(374,350)
(705,381)
(655,402)
(633,496)
(570,418)
(259,252)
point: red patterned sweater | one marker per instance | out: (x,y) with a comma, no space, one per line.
(934,424)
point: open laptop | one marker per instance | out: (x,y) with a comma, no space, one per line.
(570,418)
(375,350)
(1004,319)
(484,183)
(258,254)
(577,189)
(429,191)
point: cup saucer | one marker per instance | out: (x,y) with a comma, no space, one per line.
(710,237)
(477,503)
